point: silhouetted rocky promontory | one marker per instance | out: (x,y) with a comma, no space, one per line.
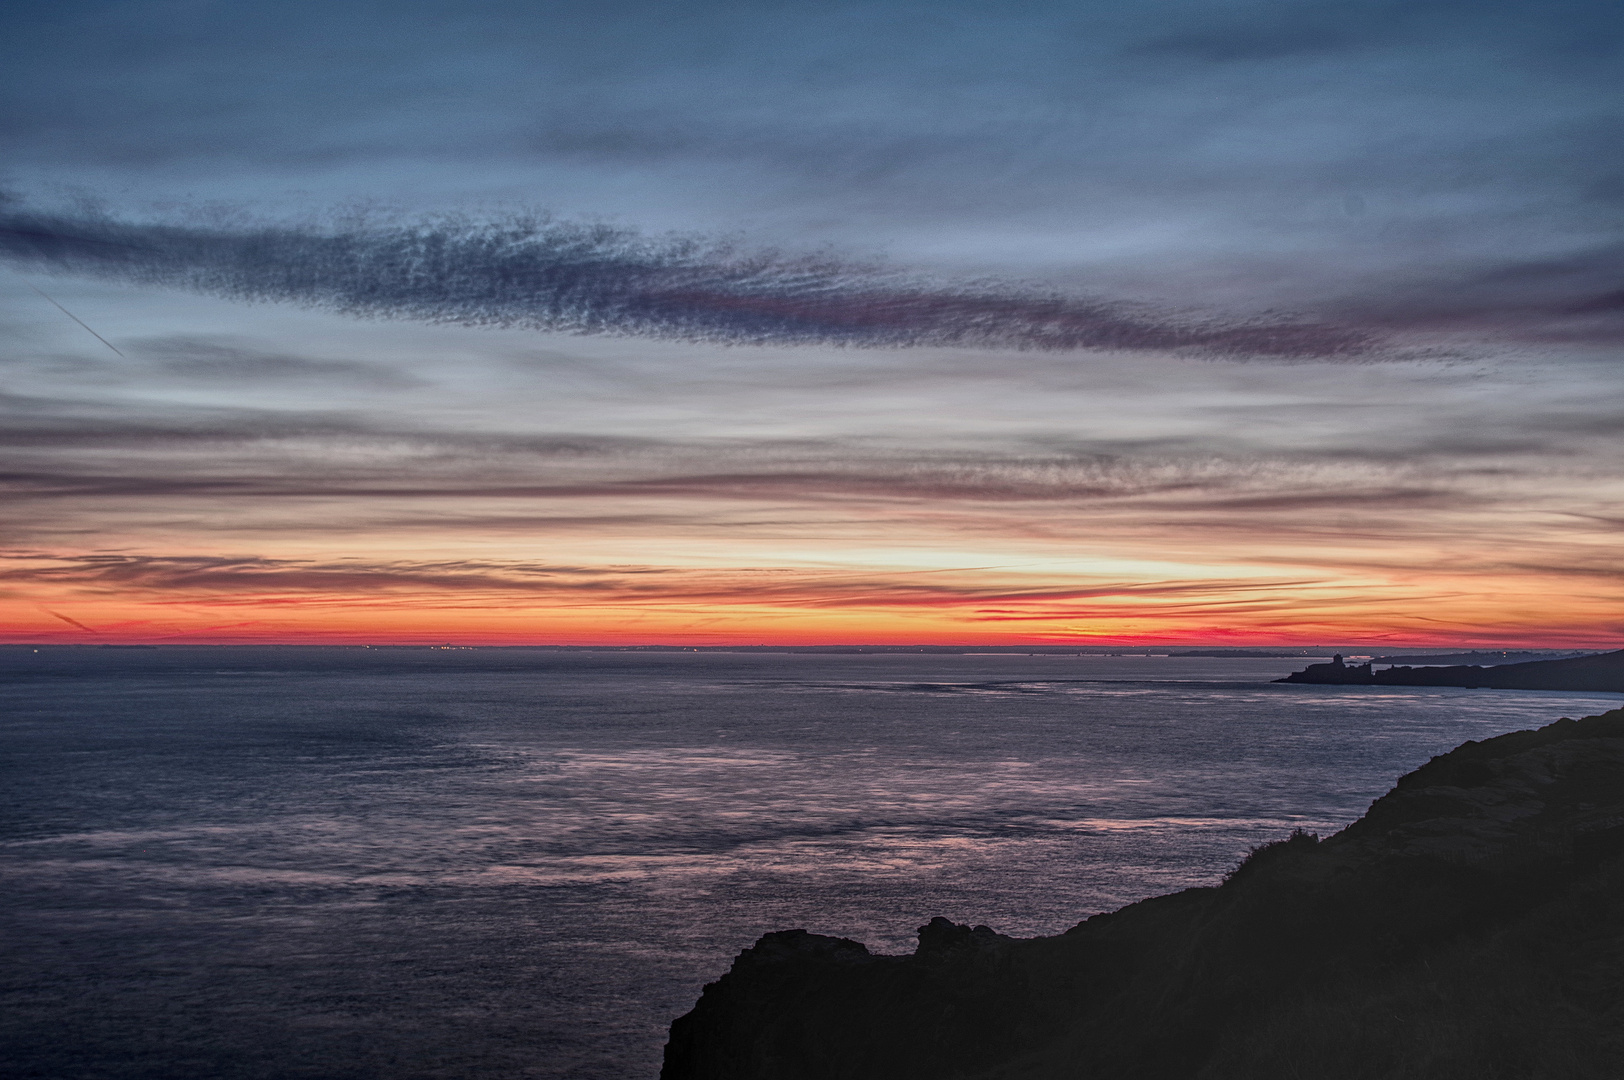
(1470,925)
(1602,672)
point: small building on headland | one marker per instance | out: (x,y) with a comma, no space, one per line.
(1334,672)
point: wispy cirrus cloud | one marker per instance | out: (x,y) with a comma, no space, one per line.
(255,580)
(539,273)
(62,449)
(221,468)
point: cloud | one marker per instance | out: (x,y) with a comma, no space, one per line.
(543,274)
(69,620)
(1575,296)
(82,453)
(1304,32)
(203,359)
(254,580)
(57,451)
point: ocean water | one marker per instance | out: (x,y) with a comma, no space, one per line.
(341,863)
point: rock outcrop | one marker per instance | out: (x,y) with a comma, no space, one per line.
(1470,925)
(1603,672)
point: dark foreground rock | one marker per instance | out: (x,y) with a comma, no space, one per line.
(1470,925)
(1602,672)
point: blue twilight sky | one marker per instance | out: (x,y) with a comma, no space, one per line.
(1131,292)
(1207,153)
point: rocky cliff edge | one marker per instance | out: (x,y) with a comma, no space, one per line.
(1470,925)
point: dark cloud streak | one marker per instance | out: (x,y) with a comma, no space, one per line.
(542,274)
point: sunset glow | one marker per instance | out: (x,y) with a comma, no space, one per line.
(704,358)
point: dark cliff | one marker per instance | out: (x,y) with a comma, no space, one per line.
(1603,672)
(1470,925)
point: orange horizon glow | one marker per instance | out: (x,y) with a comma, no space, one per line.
(689,607)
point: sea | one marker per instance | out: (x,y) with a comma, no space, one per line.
(389,864)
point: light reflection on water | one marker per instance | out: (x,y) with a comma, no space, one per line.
(335,863)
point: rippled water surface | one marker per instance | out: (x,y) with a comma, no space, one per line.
(341,863)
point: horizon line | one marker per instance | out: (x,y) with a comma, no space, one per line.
(1048,647)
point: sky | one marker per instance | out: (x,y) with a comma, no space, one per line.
(710,323)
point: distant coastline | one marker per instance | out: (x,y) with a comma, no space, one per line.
(1602,671)
(1485,657)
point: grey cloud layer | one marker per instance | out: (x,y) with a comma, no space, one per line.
(540,274)
(81,454)
(192,359)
